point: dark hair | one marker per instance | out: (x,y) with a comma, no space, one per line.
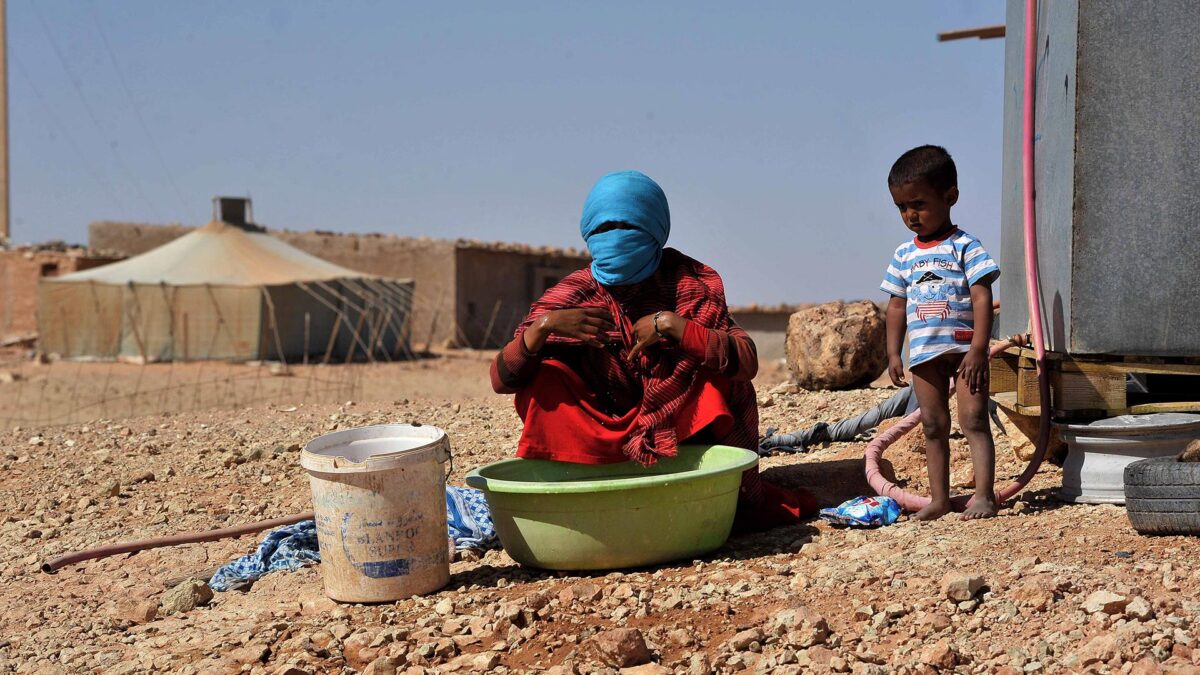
(928,162)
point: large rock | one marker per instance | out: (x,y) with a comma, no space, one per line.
(622,647)
(837,345)
(185,597)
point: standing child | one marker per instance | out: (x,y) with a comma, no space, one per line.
(941,288)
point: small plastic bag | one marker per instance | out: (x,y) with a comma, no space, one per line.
(863,512)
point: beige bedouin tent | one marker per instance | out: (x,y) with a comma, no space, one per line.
(224,291)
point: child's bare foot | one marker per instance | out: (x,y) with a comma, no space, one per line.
(934,511)
(981,507)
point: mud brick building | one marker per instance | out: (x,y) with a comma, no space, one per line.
(20,270)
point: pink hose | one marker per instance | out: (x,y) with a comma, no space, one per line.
(875,448)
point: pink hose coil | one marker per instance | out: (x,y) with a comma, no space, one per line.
(912,502)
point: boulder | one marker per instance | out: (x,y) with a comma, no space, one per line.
(837,345)
(185,597)
(622,647)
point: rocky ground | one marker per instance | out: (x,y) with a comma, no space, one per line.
(1045,587)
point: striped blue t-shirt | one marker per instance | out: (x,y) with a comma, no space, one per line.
(936,279)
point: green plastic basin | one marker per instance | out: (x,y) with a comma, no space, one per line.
(562,516)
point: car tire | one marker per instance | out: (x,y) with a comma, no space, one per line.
(1162,496)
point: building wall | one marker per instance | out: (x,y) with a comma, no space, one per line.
(768,329)
(458,283)
(496,287)
(20,270)
(130,239)
(428,262)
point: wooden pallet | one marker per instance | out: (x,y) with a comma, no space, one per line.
(1084,388)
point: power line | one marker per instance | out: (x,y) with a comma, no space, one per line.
(62,130)
(137,109)
(91,113)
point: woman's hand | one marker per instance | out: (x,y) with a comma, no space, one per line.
(586,324)
(974,369)
(896,371)
(670,325)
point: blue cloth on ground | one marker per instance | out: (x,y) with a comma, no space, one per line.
(468,523)
(468,519)
(863,512)
(287,548)
(625,256)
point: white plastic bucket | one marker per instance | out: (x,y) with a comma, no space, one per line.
(380,503)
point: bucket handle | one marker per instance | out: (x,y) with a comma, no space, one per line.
(450,461)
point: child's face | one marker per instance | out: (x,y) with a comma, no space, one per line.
(923,209)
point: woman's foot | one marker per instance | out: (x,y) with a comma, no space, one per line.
(981,507)
(934,511)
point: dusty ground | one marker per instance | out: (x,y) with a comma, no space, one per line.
(799,599)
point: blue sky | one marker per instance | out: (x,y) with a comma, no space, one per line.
(771,126)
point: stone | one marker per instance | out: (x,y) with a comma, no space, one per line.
(961,587)
(1146,666)
(188,595)
(1139,608)
(445,607)
(1098,649)
(940,655)
(580,592)
(699,664)
(1191,453)
(622,647)
(936,621)
(384,665)
(801,626)
(895,610)
(836,345)
(485,662)
(110,489)
(255,652)
(138,611)
(646,669)
(1105,601)
(742,641)
(476,663)
(358,652)
(320,604)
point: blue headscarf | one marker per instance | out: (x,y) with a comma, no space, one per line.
(623,257)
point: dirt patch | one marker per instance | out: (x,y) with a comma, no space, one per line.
(800,599)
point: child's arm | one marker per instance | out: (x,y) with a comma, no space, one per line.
(974,367)
(897,322)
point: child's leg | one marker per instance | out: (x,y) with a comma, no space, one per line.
(976,426)
(931,381)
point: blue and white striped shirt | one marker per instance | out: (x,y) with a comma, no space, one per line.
(936,279)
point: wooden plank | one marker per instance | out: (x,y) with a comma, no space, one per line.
(982,32)
(1028,391)
(1168,406)
(1123,367)
(1003,374)
(1087,390)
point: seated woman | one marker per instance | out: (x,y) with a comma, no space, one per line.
(636,354)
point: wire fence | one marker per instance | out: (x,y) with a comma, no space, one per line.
(371,324)
(33,393)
